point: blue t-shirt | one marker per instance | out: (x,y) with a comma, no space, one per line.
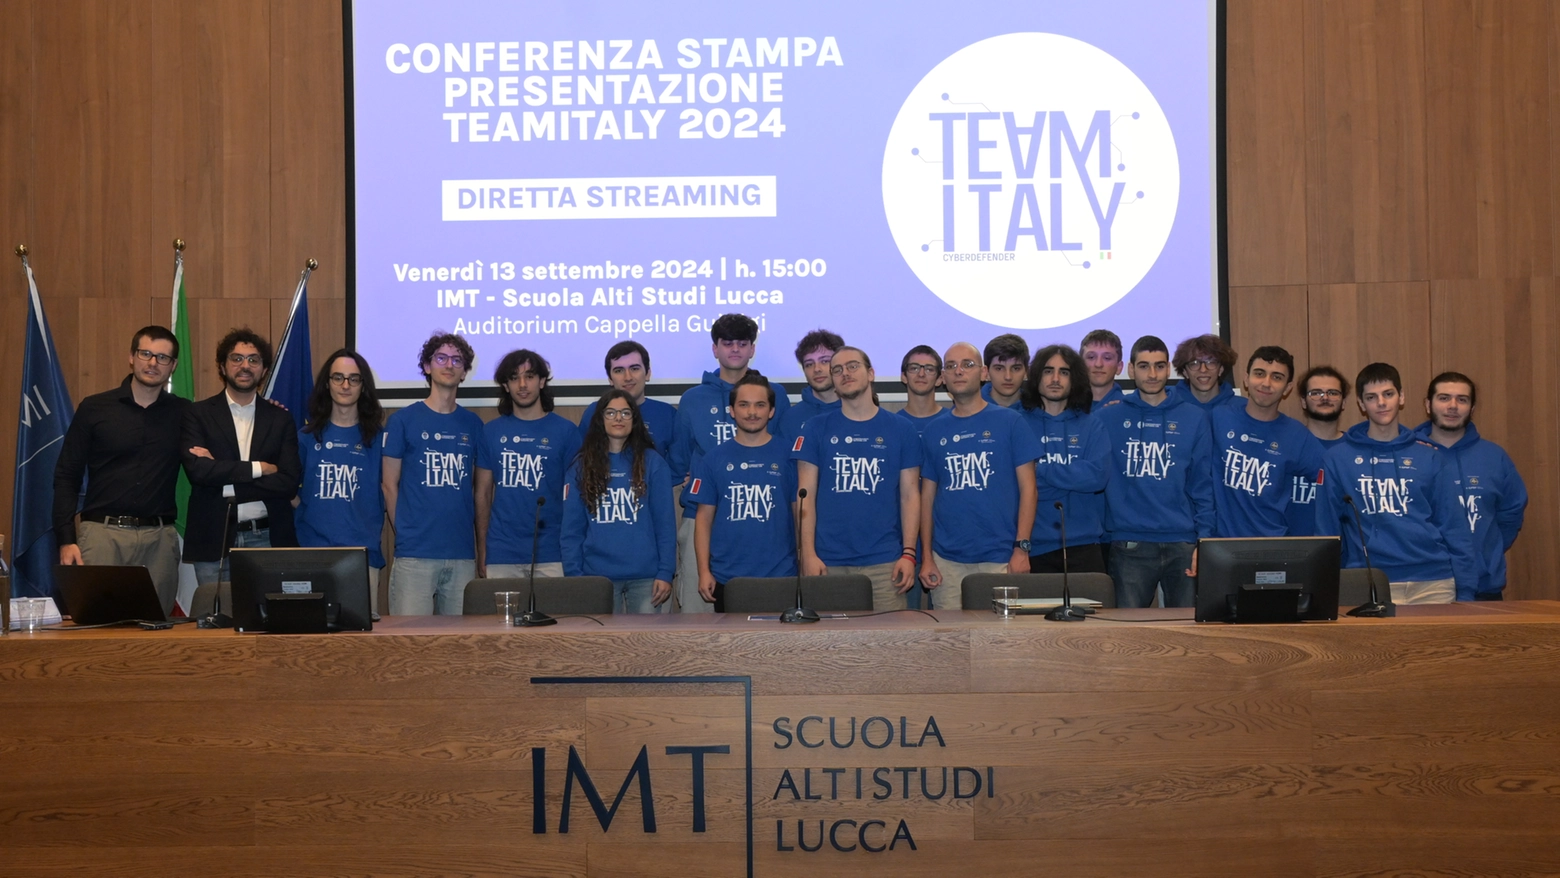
(435,509)
(974,461)
(920,423)
(527,460)
(626,536)
(858,463)
(660,419)
(751,490)
(340,503)
(1257,464)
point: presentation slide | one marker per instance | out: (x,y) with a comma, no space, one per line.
(563,176)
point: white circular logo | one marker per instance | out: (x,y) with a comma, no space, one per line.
(1030,180)
(1244,437)
(714,410)
(329,445)
(729,467)
(1230,435)
(744,465)
(943,441)
(956,437)
(835,440)
(316,446)
(438,436)
(503,440)
(425,434)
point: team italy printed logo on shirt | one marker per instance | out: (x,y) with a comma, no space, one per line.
(518,470)
(749,502)
(618,505)
(856,475)
(1148,460)
(1243,472)
(967,470)
(443,469)
(338,481)
(1384,496)
(1470,504)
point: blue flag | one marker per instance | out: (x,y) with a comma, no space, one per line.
(292,375)
(45,414)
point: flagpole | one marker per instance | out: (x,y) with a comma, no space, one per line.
(292,314)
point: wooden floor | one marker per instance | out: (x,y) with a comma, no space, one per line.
(1422,745)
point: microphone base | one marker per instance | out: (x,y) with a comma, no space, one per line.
(1066,614)
(216,620)
(533,619)
(799,614)
(1375,610)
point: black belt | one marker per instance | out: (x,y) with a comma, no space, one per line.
(253,524)
(129,520)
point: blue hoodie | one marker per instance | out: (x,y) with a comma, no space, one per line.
(1114,393)
(1302,499)
(1182,392)
(789,425)
(1493,498)
(625,537)
(703,423)
(985,393)
(1407,499)
(1074,468)
(1161,478)
(1259,463)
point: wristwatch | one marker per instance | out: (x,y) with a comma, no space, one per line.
(1021,544)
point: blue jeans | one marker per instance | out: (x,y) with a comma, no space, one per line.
(635,596)
(423,586)
(1139,568)
(207,572)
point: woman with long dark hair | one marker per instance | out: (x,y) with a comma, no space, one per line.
(339,503)
(618,519)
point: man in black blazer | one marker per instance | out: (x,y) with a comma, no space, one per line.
(241,455)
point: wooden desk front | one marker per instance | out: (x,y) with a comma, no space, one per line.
(1427,743)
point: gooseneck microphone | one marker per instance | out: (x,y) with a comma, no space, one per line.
(216,618)
(800,612)
(531,618)
(1375,609)
(1065,613)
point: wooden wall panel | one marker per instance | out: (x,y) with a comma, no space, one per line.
(1268,316)
(1266,163)
(1487,140)
(1357,324)
(210,320)
(105,325)
(308,184)
(1365,127)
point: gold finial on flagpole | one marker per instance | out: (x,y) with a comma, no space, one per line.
(178,244)
(312,264)
(21,251)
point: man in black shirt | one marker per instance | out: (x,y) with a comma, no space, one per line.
(126,442)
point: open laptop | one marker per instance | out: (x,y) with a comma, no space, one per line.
(97,595)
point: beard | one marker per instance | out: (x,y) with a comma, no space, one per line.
(856,395)
(1325,417)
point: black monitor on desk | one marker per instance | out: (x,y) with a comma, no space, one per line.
(1267,579)
(300,591)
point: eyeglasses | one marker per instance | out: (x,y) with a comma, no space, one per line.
(1324,394)
(921,369)
(455,360)
(148,356)
(241,359)
(1206,364)
(617,414)
(960,365)
(852,367)
(348,380)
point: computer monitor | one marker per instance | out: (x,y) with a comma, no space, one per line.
(271,589)
(1267,579)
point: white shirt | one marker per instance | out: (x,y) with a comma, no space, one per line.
(244,426)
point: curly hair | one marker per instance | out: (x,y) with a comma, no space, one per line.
(594,456)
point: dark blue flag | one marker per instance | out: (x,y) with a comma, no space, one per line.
(292,375)
(45,414)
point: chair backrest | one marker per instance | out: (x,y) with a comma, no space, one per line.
(836,593)
(564,595)
(1096,586)
(1354,586)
